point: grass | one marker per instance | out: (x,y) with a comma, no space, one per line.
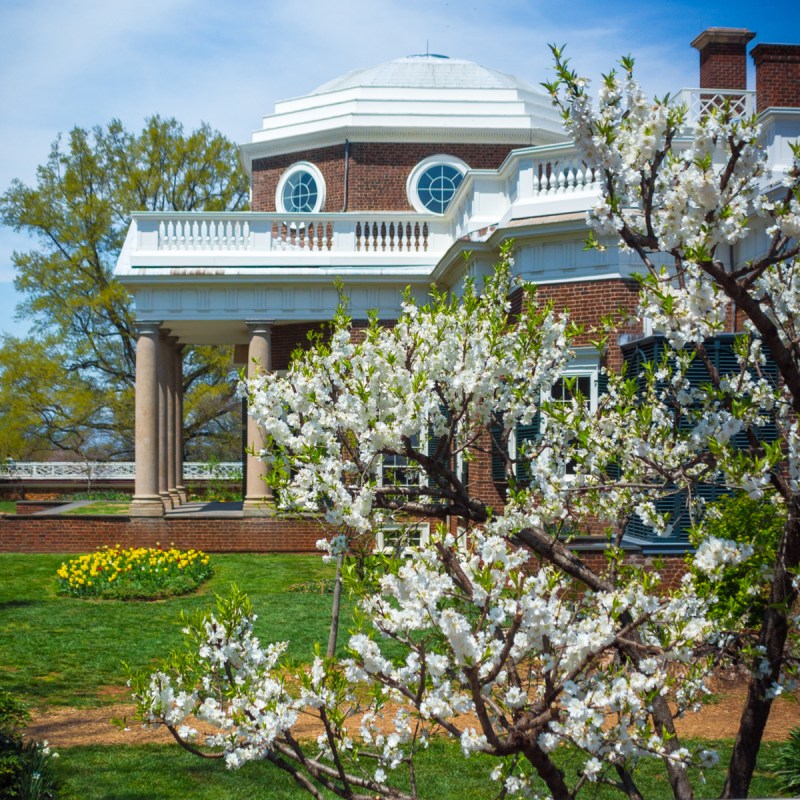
(102,507)
(64,651)
(151,772)
(8,507)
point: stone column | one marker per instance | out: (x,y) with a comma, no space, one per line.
(180,488)
(172,434)
(164,369)
(258,496)
(146,500)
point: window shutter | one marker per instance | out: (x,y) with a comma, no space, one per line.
(498,462)
(433,441)
(525,434)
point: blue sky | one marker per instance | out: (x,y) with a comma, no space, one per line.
(84,62)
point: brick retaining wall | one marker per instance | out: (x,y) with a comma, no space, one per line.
(76,534)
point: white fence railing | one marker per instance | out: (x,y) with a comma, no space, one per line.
(109,471)
(700,102)
(259,233)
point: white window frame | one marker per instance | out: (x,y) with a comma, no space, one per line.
(301,166)
(422,478)
(414,176)
(585,363)
(424,529)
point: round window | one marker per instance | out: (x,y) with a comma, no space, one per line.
(433,183)
(301,190)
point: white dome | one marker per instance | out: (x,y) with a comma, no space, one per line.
(424,98)
(426,71)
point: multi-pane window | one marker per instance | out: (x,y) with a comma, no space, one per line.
(396,538)
(396,470)
(301,190)
(433,183)
(437,185)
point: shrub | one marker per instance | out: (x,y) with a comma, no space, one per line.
(743,590)
(25,766)
(134,574)
(106,495)
(786,764)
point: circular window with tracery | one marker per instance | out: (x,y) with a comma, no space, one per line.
(433,183)
(301,189)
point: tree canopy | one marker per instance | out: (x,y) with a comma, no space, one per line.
(478,631)
(82,347)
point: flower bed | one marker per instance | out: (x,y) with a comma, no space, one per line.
(138,573)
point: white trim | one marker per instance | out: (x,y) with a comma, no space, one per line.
(311,169)
(380,544)
(585,363)
(416,173)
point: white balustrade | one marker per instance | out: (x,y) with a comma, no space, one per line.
(109,471)
(699,102)
(254,233)
(204,234)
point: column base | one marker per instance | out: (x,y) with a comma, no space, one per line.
(258,507)
(166,499)
(175,497)
(151,506)
(182,494)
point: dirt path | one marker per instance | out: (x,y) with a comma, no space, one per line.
(65,727)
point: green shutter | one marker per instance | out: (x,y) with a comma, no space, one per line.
(525,434)
(434,441)
(498,461)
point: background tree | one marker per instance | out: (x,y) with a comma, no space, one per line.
(82,336)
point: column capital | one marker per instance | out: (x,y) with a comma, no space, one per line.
(146,327)
(260,325)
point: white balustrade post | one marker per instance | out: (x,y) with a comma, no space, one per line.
(258,496)
(146,500)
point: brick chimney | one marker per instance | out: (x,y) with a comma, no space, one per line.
(777,75)
(723,57)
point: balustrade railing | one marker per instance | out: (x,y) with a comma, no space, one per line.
(562,176)
(109,471)
(256,233)
(699,102)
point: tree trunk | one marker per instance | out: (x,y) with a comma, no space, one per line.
(774,631)
(333,633)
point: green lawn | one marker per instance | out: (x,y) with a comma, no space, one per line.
(61,651)
(153,772)
(102,507)
(7,507)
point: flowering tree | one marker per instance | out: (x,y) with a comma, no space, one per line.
(497,633)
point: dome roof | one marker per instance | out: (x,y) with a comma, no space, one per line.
(423,98)
(426,71)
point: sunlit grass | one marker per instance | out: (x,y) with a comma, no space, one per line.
(63,651)
(103,508)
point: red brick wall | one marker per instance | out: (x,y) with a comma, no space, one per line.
(777,75)
(83,534)
(587,302)
(377,175)
(723,66)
